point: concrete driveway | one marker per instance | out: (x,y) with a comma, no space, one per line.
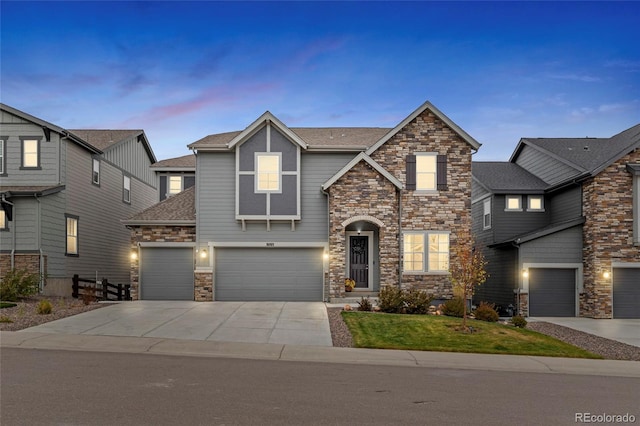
(623,330)
(291,323)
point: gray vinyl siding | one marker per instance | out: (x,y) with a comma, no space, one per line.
(502,279)
(49,173)
(131,156)
(508,224)
(565,205)
(103,241)
(545,167)
(53,232)
(216,201)
(561,247)
(477,190)
(24,225)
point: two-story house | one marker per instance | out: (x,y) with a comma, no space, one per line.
(175,175)
(280,213)
(560,226)
(63,194)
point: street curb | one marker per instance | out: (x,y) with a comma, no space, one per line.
(277,352)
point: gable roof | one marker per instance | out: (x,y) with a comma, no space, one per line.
(266,118)
(47,127)
(362,157)
(501,177)
(179,209)
(184,162)
(425,106)
(105,139)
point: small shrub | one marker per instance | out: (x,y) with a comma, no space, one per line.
(365,305)
(519,321)
(417,301)
(18,283)
(486,312)
(44,307)
(89,295)
(391,300)
(453,307)
(6,320)
(7,305)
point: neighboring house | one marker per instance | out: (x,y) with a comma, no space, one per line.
(63,195)
(560,222)
(175,175)
(281,213)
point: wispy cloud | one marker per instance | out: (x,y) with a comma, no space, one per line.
(627,65)
(585,78)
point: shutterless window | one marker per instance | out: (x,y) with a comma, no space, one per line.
(535,203)
(126,190)
(486,217)
(425,172)
(3,219)
(513,202)
(30,153)
(175,184)
(1,156)
(438,252)
(268,173)
(413,253)
(96,171)
(72,235)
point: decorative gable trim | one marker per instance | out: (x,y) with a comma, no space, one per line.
(362,156)
(264,119)
(426,106)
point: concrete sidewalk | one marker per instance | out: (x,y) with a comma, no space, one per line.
(292,323)
(284,352)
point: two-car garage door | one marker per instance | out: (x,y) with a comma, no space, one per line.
(282,274)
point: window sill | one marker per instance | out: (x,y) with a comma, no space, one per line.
(425,272)
(535,210)
(30,168)
(513,210)
(72,255)
(426,192)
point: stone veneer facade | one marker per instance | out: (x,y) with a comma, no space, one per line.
(607,234)
(23,261)
(159,233)
(364,192)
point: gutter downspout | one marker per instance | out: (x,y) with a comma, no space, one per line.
(13,236)
(400,248)
(328,296)
(38,230)
(519,279)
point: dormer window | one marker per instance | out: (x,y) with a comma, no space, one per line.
(267,172)
(175,185)
(513,203)
(535,203)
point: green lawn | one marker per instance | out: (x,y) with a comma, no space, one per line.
(438,333)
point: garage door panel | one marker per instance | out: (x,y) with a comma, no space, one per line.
(552,292)
(626,292)
(166,273)
(277,274)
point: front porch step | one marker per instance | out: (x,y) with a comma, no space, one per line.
(354,297)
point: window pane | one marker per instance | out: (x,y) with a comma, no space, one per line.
(1,156)
(426,172)
(72,235)
(438,252)
(3,219)
(175,184)
(96,171)
(268,172)
(535,203)
(30,154)
(513,203)
(413,252)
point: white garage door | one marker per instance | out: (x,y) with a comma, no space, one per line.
(166,273)
(277,274)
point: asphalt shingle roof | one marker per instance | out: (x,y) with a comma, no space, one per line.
(315,137)
(184,161)
(180,207)
(104,138)
(504,177)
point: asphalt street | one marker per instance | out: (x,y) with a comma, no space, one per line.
(91,388)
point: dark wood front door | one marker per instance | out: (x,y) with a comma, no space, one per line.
(359,260)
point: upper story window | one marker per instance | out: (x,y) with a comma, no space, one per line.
(126,189)
(30,153)
(419,257)
(426,172)
(535,203)
(513,203)
(3,220)
(2,156)
(95,176)
(72,236)
(486,214)
(268,172)
(175,185)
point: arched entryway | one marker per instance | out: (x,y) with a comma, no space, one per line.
(362,255)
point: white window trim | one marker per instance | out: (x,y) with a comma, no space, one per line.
(435,174)
(24,153)
(425,254)
(530,209)
(506,203)
(424,249)
(94,171)
(2,167)
(3,221)
(74,236)
(257,172)
(126,189)
(486,211)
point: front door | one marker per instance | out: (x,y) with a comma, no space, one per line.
(359,260)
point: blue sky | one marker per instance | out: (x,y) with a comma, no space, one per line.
(183,70)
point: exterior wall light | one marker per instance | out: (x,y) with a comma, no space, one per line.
(203,254)
(606,275)
(134,255)
(325,256)
(525,273)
